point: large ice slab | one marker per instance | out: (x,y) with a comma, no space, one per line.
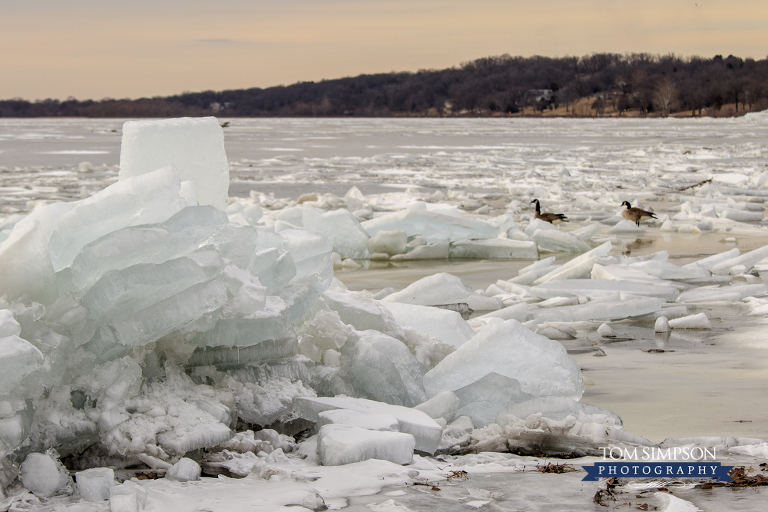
(18,358)
(424,429)
(432,225)
(382,368)
(44,475)
(26,271)
(341,228)
(493,248)
(346,444)
(733,293)
(95,484)
(558,408)
(576,268)
(143,199)
(447,325)
(182,234)
(363,312)
(666,270)
(443,288)
(607,310)
(365,420)
(443,405)
(193,146)
(710,261)
(541,365)
(747,260)
(587,287)
(484,398)
(556,240)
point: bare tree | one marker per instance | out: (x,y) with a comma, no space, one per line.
(665,95)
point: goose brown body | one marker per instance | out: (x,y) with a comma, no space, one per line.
(636,214)
(552,218)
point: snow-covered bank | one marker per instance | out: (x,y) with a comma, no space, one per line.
(144,323)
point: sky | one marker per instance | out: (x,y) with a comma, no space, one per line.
(95,49)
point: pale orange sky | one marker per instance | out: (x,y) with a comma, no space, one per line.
(129,49)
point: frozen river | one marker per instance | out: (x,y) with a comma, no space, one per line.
(703,383)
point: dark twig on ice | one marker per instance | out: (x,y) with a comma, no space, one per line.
(695,185)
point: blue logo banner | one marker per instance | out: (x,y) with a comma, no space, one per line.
(657,470)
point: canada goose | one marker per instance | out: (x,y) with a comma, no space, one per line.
(636,214)
(552,218)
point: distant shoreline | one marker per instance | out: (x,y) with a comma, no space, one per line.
(597,85)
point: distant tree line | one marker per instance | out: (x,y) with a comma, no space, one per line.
(641,84)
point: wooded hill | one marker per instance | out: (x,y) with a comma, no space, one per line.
(594,85)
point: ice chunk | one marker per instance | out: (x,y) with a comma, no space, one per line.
(662,324)
(626,226)
(517,312)
(493,248)
(8,325)
(741,215)
(484,398)
(541,365)
(363,312)
(710,261)
(224,357)
(424,429)
(144,199)
(443,288)
(457,433)
(193,146)
(358,419)
(433,225)
(613,310)
(131,489)
(556,240)
(587,287)
(543,263)
(175,312)
(311,252)
(539,225)
(45,475)
(435,251)
(341,228)
(443,405)
(624,273)
(185,470)
(558,408)
(18,358)
(748,260)
(179,236)
(576,268)
(447,325)
(123,503)
(141,285)
(389,242)
(95,484)
(698,321)
(727,293)
(605,330)
(207,432)
(26,271)
(530,276)
(382,368)
(345,444)
(666,270)
(587,232)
